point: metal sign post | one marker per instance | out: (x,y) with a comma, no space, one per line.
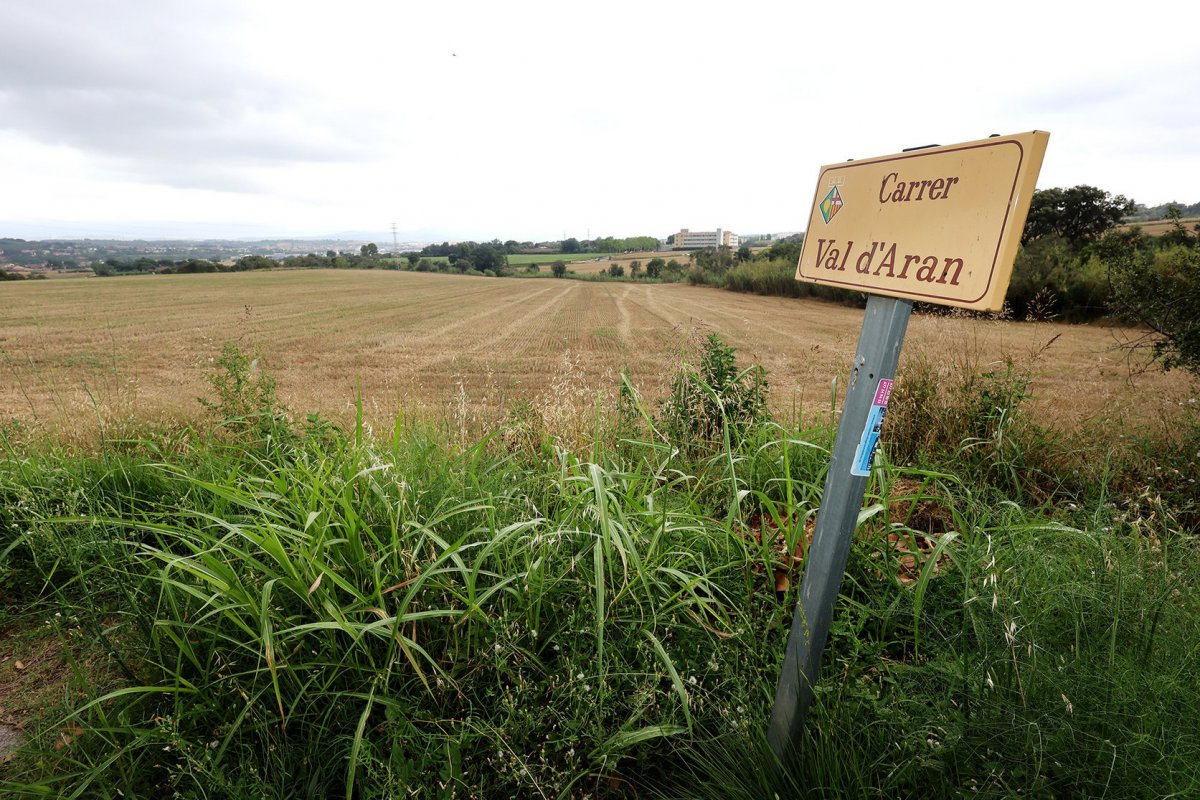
(879,344)
(941,225)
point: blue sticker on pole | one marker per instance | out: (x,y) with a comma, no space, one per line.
(867,444)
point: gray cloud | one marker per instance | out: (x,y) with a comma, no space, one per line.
(155,92)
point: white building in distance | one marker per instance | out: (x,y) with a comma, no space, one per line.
(697,240)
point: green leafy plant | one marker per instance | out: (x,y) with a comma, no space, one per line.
(245,400)
(716,398)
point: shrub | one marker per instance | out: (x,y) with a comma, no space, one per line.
(1162,292)
(245,402)
(715,400)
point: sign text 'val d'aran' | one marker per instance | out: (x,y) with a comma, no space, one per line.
(939,225)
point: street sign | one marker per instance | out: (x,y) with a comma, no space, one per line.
(939,225)
(942,225)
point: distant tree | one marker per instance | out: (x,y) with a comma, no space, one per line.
(635,269)
(369,250)
(1178,234)
(489,257)
(532,269)
(559,268)
(247,263)
(717,260)
(654,267)
(1079,215)
(569,245)
(744,254)
(413,260)
(641,243)
(331,254)
(786,249)
(616,270)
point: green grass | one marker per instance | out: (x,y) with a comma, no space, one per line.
(520,259)
(295,610)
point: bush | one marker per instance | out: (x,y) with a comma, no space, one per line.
(715,401)
(245,403)
(1162,292)
(1051,279)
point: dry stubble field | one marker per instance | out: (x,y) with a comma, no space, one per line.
(84,353)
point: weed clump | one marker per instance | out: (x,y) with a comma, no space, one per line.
(716,402)
(245,403)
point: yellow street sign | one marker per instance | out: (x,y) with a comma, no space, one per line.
(939,225)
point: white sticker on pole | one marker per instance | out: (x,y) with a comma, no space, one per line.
(867,444)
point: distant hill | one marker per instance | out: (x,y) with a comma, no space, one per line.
(1157,227)
(1151,213)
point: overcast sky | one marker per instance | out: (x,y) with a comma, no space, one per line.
(531,120)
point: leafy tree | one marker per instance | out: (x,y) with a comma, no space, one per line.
(1051,279)
(559,268)
(1081,214)
(635,269)
(413,260)
(1178,234)
(247,263)
(569,245)
(717,260)
(1160,289)
(654,267)
(616,270)
(744,254)
(786,249)
(369,250)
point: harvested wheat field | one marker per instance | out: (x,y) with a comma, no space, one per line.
(80,355)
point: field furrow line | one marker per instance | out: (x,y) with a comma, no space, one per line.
(495,337)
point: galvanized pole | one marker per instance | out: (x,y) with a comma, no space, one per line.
(883,329)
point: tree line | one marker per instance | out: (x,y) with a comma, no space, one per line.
(1077,263)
